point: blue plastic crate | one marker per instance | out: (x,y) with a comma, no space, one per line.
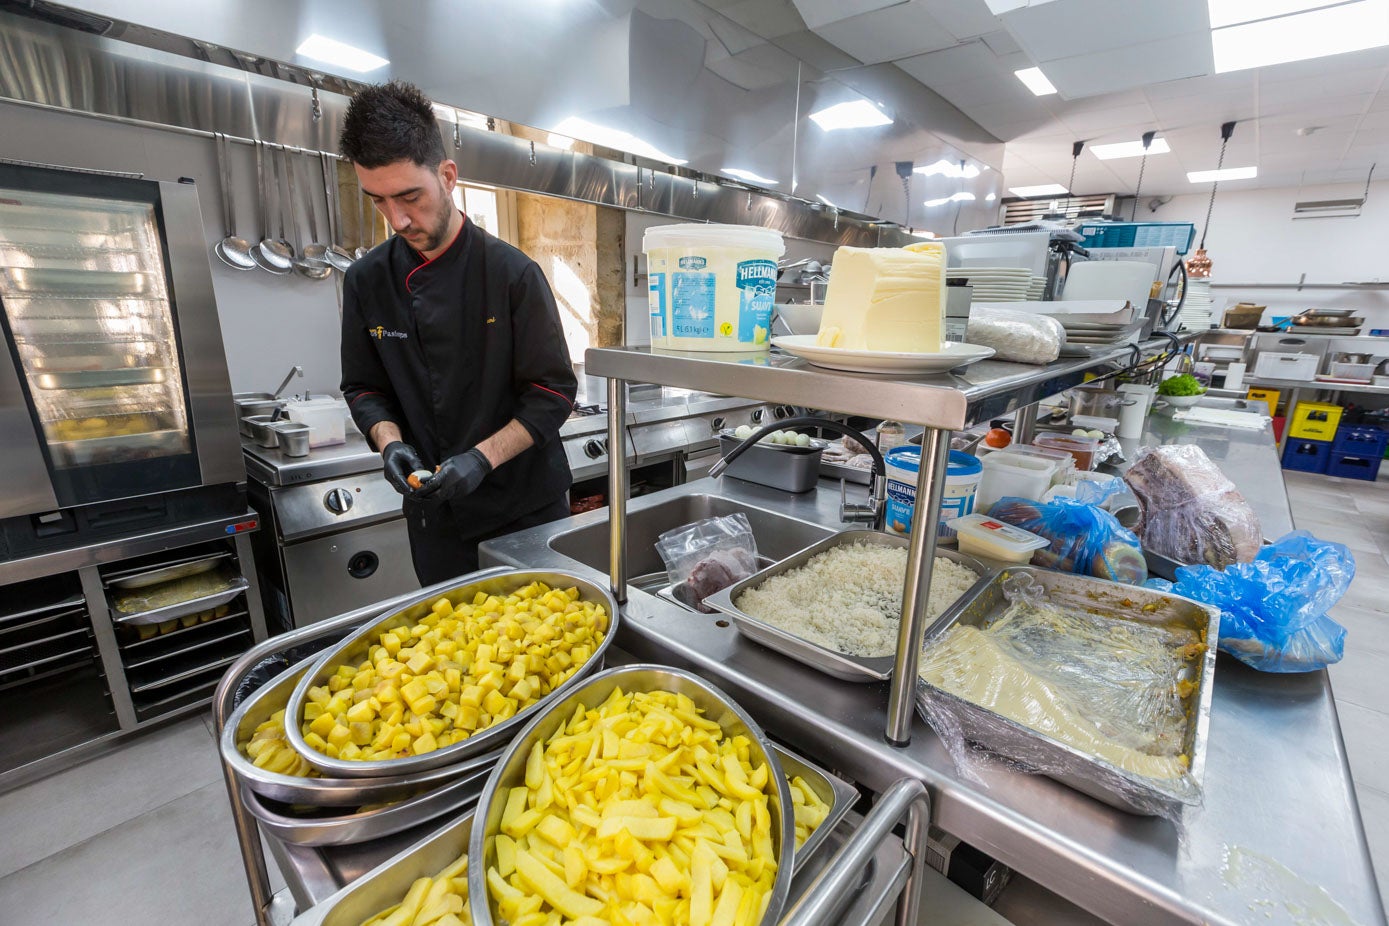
(1353,466)
(1362,440)
(1307,456)
(1139,235)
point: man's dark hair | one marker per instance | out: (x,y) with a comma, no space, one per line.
(391,122)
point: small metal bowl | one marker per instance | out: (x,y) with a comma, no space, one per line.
(511,771)
(293,437)
(260,430)
(355,648)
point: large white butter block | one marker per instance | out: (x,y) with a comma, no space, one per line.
(888,299)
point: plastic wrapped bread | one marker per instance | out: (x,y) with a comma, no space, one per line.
(1191,512)
(1021,337)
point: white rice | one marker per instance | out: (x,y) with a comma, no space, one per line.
(849,598)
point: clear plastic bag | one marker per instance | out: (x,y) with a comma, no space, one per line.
(1084,538)
(1021,337)
(1191,513)
(708,556)
(1275,608)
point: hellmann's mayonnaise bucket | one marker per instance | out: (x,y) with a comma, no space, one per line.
(711,287)
(961,483)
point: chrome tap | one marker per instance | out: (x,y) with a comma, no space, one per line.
(873,511)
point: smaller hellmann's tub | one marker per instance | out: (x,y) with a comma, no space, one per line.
(711,287)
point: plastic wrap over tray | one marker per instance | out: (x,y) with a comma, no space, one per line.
(1103,687)
(1192,513)
(1017,336)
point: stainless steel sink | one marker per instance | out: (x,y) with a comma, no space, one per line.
(778,536)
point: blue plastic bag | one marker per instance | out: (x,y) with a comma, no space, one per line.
(1084,538)
(1274,609)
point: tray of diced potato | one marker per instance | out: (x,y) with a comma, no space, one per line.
(449,676)
(415,886)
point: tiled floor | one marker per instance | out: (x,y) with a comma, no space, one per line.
(144,835)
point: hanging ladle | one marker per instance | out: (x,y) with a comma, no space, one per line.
(232,250)
(337,255)
(271,254)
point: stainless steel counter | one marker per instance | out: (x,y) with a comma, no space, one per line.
(1279,826)
(273,468)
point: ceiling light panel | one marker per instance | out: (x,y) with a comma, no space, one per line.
(1128,149)
(1045,189)
(858,114)
(1035,80)
(1316,34)
(339,54)
(1233,12)
(1228,173)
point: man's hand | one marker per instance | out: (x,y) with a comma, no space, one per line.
(401,460)
(458,477)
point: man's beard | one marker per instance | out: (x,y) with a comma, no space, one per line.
(436,237)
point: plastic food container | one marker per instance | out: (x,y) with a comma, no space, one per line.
(1065,463)
(982,536)
(1012,474)
(711,287)
(327,419)
(961,485)
(1082,448)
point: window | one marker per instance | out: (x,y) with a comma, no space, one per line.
(491,209)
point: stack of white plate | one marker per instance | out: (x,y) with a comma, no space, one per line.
(1036,289)
(994,284)
(1099,333)
(1199,306)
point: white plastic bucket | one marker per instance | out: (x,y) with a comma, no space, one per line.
(711,287)
(961,483)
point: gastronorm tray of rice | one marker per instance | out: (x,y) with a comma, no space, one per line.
(836,605)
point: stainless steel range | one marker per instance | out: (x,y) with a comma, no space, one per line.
(334,537)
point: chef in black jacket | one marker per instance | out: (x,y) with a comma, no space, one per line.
(452,350)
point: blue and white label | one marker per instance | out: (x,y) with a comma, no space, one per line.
(692,299)
(901,504)
(756,281)
(656,300)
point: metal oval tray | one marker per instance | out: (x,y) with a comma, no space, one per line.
(169,573)
(309,830)
(831,662)
(324,792)
(1086,773)
(816,443)
(354,649)
(717,706)
(236,586)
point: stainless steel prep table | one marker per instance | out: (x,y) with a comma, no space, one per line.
(1278,788)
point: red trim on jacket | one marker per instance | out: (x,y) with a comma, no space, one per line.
(441,253)
(552,392)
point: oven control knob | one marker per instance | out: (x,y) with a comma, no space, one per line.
(593,449)
(757,415)
(783,411)
(717,424)
(338,501)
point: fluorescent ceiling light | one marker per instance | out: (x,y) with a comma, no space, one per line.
(1035,80)
(950,169)
(574,127)
(960,197)
(1298,37)
(1233,12)
(859,114)
(331,51)
(748,175)
(1229,173)
(1128,149)
(1045,189)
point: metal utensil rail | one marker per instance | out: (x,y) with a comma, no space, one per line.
(821,904)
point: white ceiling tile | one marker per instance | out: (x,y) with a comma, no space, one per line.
(1379,152)
(1115,68)
(817,13)
(1070,28)
(1339,84)
(1370,137)
(733,37)
(1375,119)
(950,65)
(1133,119)
(1318,67)
(816,52)
(888,34)
(1208,110)
(1380,101)
(968,93)
(1200,86)
(1001,43)
(768,18)
(965,19)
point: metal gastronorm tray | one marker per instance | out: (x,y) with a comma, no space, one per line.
(354,649)
(1088,774)
(716,706)
(236,585)
(325,792)
(840,665)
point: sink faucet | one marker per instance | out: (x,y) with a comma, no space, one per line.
(873,511)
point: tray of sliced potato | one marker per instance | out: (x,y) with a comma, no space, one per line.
(450,676)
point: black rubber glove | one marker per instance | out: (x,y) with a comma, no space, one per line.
(458,476)
(401,460)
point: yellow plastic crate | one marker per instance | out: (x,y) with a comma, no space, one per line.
(1314,421)
(1265,395)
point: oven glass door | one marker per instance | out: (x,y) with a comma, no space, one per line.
(89,317)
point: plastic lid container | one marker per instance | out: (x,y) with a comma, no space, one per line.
(1064,462)
(1082,448)
(1013,474)
(983,536)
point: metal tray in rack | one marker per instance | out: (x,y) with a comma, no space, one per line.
(80,283)
(354,649)
(153,575)
(97,379)
(324,792)
(831,662)
(115,447)
(237,586)
(1065,763)
(312,829)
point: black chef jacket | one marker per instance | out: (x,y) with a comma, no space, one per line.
(451,350)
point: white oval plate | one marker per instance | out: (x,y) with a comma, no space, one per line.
(952,356)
